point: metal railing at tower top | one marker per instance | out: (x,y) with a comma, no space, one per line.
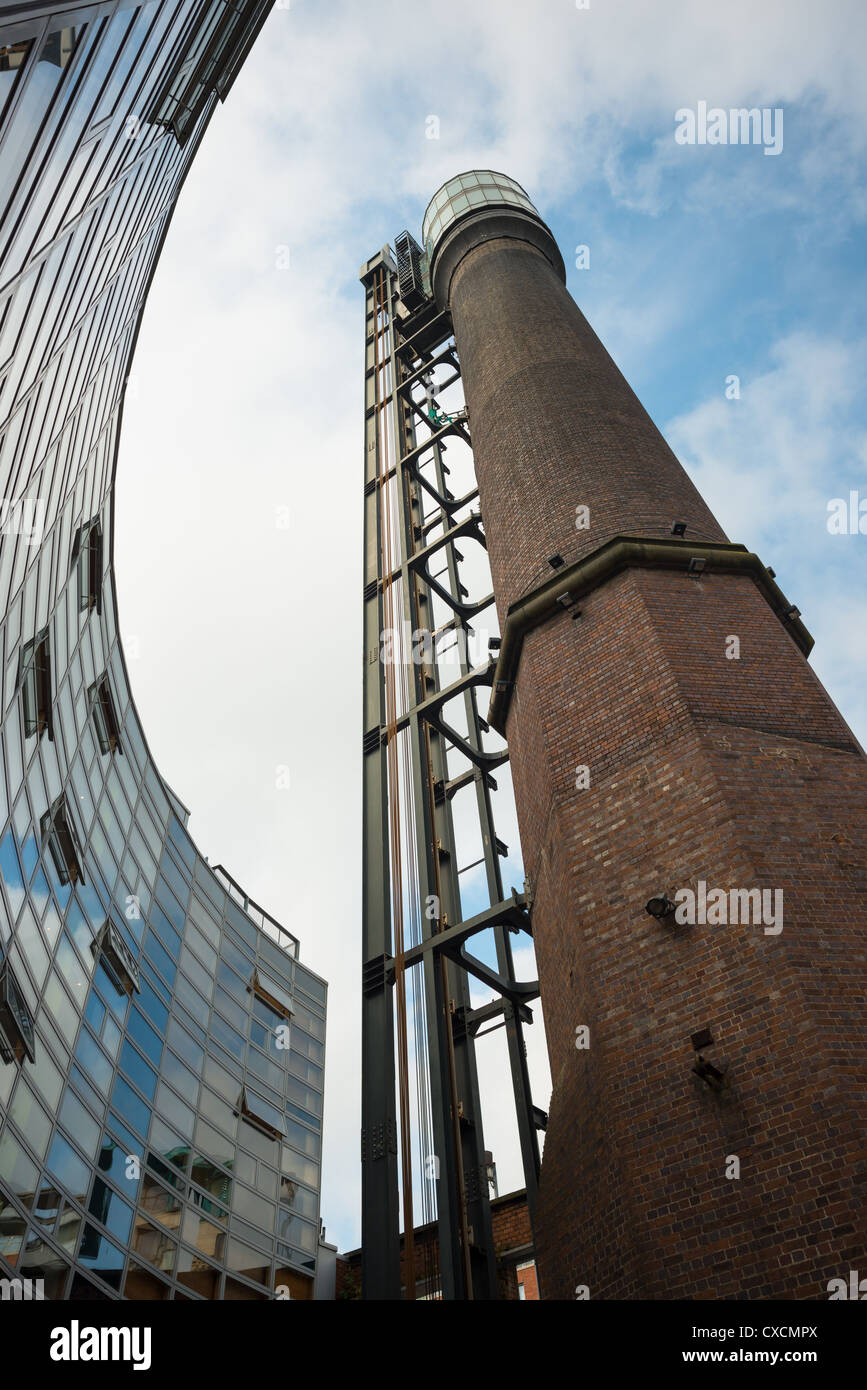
(432,876)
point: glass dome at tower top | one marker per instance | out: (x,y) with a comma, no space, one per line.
(465,193)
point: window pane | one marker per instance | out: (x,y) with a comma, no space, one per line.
(297,1232)
(130,1106)
(213,1144)
(160,1203)
(12,58)
(204,1235)
(141,1284)
(180,1116)
(232,1041)
(148,1040)
(196,1274)
(80,1123)
(215,1182)
(244,1260)
(101,1255)
(94,1061)
(180,1077)
(153,1244)
(137,1069)
(260,1109)
(70,1171)
(31,1118)
(17,1172)
(180,1040)
(218,1112)
(46,1205)
(108,1208)
(113,1163)
(253,1208)
(221,1080)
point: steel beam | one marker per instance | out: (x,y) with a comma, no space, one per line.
(415,345)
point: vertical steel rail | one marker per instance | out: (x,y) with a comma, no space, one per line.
(477,1255)
(451,1204)
(380,1226)
(524,1110)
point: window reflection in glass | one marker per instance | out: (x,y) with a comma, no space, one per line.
(244,1260)
(12,1228)
(266,1180)
(245,1167)
(179,1115)
(231,1040)
(130,1106)
(41,80)
(142,1284)
(168,1148)
(153,1244)
(214,1144)
(108,1208)
(101,1255)
(31,1118)
(114,1162)
(215,1182)
(301,1199)
(262,1112)
(68,1228)
(40,1262)
(196,1274)
(184,1045)
(148,1040)
(12,57)
(71,1172)
(262,1145)
(204,1235)
(46,1205)
(60,46)
(298,1232)
(137,1069)
(253,1208)
(236,1290)
(180,1077)
(160,1203)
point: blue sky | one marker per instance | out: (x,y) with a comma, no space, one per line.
(705,261)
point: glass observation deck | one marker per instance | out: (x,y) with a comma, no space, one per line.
(466,193)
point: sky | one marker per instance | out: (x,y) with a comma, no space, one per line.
(239,488)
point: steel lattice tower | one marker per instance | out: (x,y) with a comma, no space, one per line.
(412,521)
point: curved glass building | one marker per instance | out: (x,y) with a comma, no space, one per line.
(161,1045)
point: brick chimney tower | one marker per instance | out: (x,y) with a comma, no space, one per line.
(706,1130)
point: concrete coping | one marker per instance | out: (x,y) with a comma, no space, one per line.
(488,224)
(595,569)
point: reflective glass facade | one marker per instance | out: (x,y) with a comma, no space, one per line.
(161,1045)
